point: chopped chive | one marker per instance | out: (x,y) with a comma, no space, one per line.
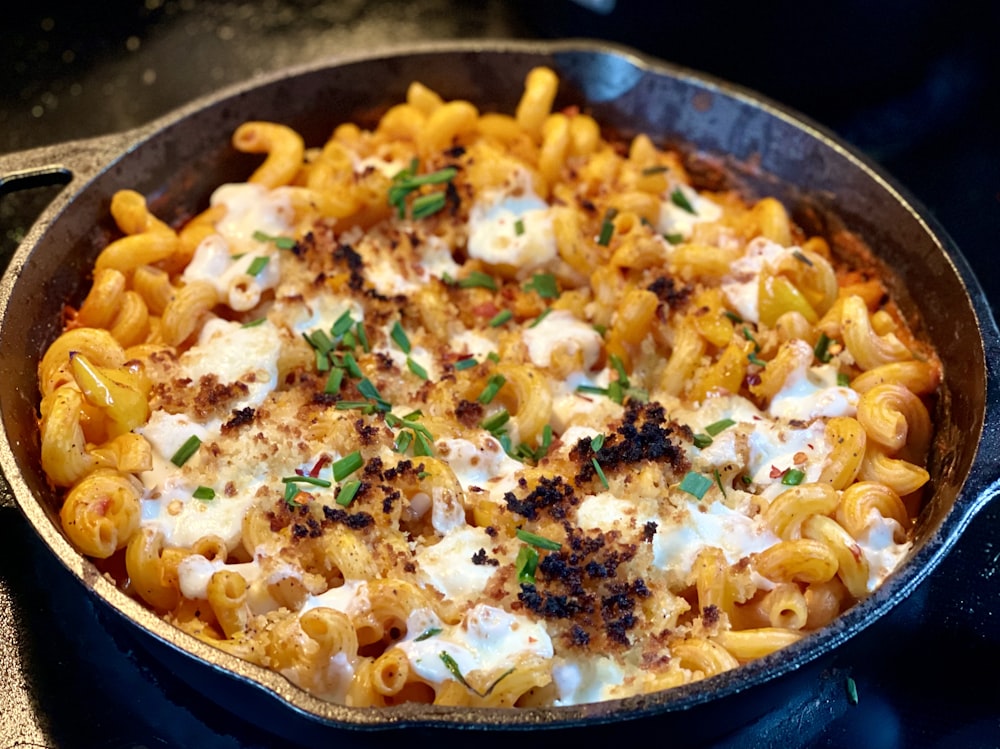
(593,389)
(322,361)
(526,564)
(418,370)
(351,364)
(754,359)
(334,380)
(822,349)
(616,392)
(492,388)
(424,445)
(362,336)
(399,336)
(600,473)
(651,170)
(427,205)
(679,199)
(255,323)
(204,492)
(257,265)
(607,227)
(465,363)
(732,316)
(544,284)
(749,336)
(494,357)
(537,541)
(702,440)
(537,321)
(403,440)
(718,426)
(282,243)
(800,256)
(366,407)
(500,318)
(312,480)
(597,442)
(427,634)
(793,477)
(347,493)
(368,390)
(852,691)
(619,367)
(843,380)
(718,481)
(497,420)
(185,451)
(291,492)
(695,484)
(342,324)
(320,341)
(674,237)
(478,280)
(546,443)
(433,178)
(519,227)
(347,465)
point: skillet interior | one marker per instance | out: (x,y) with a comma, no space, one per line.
(179,161)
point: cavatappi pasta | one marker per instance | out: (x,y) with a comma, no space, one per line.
(485,409)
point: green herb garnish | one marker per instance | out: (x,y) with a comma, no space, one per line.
(793,477)
(537,541)
(822,349)
(185,451)
(282,243)
(543,284)
(312,480)
(399,336)
(347,465)
(679,199)
(695,484)
(257,265)
(607,227)
(500,318)
(348,491)
(204,492)
(493,386)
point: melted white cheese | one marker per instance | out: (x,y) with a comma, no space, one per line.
(812,392)
(512,228)
(448,565)
(561,329)
(251,208)
(673,219)
(488,639)
(740,285)
(882,552)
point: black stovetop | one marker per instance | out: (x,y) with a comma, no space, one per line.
(916,99)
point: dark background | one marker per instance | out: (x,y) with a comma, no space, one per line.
(912,84)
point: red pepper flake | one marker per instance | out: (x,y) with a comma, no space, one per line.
(856,552)
(776,473)
(322,463)
(487,309)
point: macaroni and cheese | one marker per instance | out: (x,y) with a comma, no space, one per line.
(485,409)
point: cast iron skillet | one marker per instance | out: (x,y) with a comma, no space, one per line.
(176,161)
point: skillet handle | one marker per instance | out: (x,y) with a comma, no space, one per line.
(60,163)
(70,164)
